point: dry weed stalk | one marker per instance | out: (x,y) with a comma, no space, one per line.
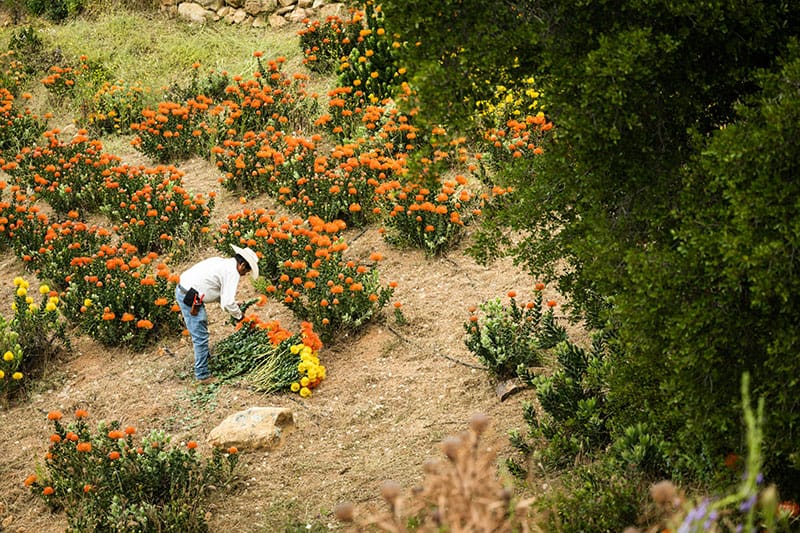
(461,494)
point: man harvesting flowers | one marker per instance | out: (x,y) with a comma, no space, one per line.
(215,279)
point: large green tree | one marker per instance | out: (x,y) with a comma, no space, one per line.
(667,189)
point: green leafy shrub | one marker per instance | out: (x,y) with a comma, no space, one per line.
(371,65)
(597,498)
(55,10)
(324,43)
(105,480)
(18,128)
(12,72)
(212,85)
(68,175)
(118,297)
(11,353)
(42,332)
(574,420)
(115,106)
(173,131)
(506,337)
(162,216)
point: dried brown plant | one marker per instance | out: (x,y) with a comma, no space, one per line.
(460,493)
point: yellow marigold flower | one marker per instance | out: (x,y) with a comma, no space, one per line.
(22,291)
(8,356)
(17,375)
(312,374)
(50,307)
(305,392)
(3,374)
(87,302)
(18,281)
(44,289)
(302,366)
(13,306)
(304,381)
(53,299)
(29,300)
(305,351)
(295,349)
(295,386)
(33,308)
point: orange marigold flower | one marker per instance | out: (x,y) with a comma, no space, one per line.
(127,317)
(539,286)
(30,480)
(55,438)
(47,491)
(72,436)
(551,303)
(87,488)
(375,256)
(130,430)
(144,324)
(512,294)
(116,434)
(84,447)
(54,415)
(114,455)
(233,450)
(81,413)
(191,445)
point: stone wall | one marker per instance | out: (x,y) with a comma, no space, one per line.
(255,13)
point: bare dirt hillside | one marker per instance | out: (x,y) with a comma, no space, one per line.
(392,393)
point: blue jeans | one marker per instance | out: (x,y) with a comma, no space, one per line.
(198,330)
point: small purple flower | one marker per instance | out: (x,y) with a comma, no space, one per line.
(748,504)
(712,517)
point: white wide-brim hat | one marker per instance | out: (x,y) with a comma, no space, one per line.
(250,256)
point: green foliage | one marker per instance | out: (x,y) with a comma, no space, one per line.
(12,73)
(120,299)
(162,216)
(106,480)
(18,128)
(324,43)
(212,85)
(55,10)
(69,175)
(597,499)
(115,106)
(506,337)
(12,356)
(575,419)
(175,131)
(668,204)
(42,331)
(731,241)
(371,65)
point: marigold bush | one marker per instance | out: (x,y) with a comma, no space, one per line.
(110,480)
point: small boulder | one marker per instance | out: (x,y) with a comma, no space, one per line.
(257,428)
(194,13)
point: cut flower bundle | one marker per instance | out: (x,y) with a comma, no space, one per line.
(270,358)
